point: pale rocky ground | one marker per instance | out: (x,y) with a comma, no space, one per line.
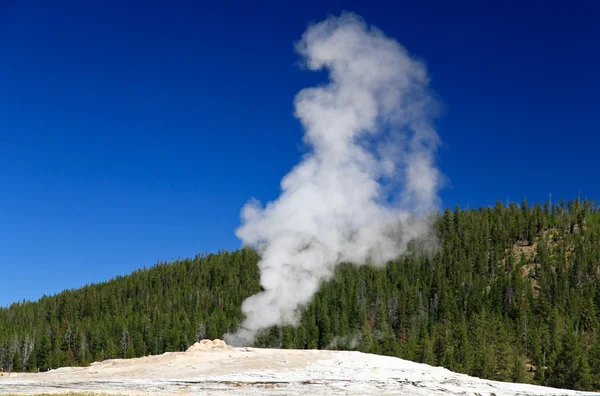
(214,368)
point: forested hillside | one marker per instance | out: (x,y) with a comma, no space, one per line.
(511,294)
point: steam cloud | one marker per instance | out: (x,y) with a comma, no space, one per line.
(361,193)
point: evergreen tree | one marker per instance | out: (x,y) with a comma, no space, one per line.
(510,293)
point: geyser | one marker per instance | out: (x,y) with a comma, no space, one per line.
(363,190)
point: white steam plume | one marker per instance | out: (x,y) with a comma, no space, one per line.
(369,172)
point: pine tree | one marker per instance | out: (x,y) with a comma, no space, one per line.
(571,369)
(594,362)
(484,303)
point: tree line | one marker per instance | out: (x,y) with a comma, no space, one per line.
(510,294)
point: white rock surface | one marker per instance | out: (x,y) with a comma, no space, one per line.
(214,368)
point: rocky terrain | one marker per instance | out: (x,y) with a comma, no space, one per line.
(214,368)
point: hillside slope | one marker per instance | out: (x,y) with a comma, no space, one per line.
(213,367)
(511,293)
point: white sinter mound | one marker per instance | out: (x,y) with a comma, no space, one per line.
(213,367)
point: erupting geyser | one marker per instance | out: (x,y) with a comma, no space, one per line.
(363,190)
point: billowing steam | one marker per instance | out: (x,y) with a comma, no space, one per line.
(368,178)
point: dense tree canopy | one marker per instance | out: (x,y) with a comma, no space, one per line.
(510,294)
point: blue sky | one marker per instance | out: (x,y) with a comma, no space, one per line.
(133,133)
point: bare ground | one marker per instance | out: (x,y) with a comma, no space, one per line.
(213,368)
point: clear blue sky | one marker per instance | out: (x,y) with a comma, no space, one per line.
(132,132)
